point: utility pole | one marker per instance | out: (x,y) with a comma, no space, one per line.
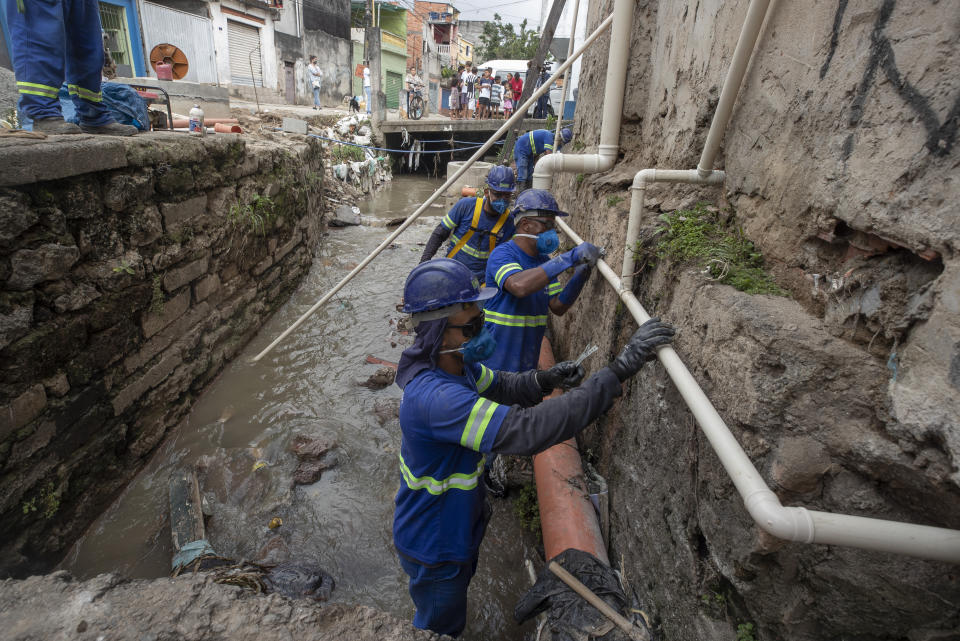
(533,72)
(371,48)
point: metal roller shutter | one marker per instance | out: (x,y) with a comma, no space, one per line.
(394,85)
(191,34)
(244,40)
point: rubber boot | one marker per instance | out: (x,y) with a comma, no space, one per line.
(55,126)
(110,129)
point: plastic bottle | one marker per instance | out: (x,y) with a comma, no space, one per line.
(196,121)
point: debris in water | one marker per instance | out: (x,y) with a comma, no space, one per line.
(306,447)
(379,361)
(226,414)
(386,409)
(259,465)
(300,580)
(275,522)
(309,472)
(383,377)
(314,459)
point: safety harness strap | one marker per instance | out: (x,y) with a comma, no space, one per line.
(475,228)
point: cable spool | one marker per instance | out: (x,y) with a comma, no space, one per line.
(171,55)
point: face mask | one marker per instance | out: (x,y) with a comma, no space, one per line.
(479,348)
(500,205)
(547,242)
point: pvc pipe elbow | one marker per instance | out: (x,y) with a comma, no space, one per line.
(556,163)
(789,523)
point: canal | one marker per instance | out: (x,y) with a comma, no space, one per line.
(240,431)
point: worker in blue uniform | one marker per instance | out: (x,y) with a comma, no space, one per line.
(456,411)
(53,41)
(533,144)
(528,289)
(476,225)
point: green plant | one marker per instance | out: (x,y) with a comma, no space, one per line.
(578,145)
(48,500)
(158,300)
(613,201)
(125,268)
(745,632)
(551,122)
(527,509)
(726,255)
(348,153)
(256,214)
(580,178)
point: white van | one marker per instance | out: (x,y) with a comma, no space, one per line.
(503,67)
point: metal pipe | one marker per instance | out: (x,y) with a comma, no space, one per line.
(790,523)
(426,204)
(614,88)
(639,189)
(731,86)
(566,76)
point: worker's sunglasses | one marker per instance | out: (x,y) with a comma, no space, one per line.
(471,329)
(547,224)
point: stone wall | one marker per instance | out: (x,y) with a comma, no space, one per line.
(841,163)
(132,270)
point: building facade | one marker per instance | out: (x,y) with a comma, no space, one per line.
(391,20)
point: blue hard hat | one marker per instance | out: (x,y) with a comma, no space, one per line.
(566,135)
(501,178)
(440,283)
(536,202)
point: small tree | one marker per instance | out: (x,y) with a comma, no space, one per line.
(500,40)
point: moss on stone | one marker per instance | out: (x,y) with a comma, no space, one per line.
(699,235)
(527,509)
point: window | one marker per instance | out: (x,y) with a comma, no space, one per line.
(113,20)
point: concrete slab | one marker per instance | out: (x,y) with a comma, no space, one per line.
(440,124)
(27,161)
(294,126)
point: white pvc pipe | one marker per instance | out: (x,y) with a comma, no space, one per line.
(614,89)
(566,76)
(731,86)
(790,523)
(521,112)
(639,189)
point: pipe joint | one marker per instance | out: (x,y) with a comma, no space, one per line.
(789,523)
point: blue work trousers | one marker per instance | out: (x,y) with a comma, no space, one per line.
(524,160)
(53,41)
(440,594)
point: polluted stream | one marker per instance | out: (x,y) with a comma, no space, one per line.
(240,433)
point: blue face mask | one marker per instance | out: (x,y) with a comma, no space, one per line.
(548,241)
(500,205)
(479,348)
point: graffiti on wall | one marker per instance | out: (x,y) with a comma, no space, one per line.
(940,135)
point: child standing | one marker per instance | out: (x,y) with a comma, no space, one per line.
(496,91)
(507,99)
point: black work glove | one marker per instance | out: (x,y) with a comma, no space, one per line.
(563,375)
(641,348)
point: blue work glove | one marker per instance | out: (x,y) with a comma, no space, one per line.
(575,285)
(586,253)
(564,375)
(641,348)
(561,263)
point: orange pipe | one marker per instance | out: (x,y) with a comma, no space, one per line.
(185,122)
(468,191)
(567,516)
(225,128)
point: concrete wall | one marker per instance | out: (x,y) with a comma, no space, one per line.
(841,163)
(335,57)
(130,275)
(329,16)
(267,46)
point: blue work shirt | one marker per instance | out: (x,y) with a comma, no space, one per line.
(517,324)
(447,428)
(534,143)
(477,250)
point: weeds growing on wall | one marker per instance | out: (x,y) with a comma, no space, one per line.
(527,509)
(348,153)
(726,255)
(255,215)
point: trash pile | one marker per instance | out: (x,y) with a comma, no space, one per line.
(365,169)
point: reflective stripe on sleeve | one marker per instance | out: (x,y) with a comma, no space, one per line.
(505,271)
(511,320)
(477,423)
(435,487)
(486,378)
(447,222)
(554,288)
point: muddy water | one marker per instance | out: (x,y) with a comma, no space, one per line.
(308,386)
